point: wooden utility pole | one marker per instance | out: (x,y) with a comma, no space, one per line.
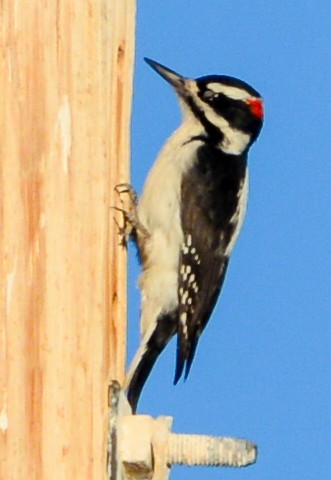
(66,86)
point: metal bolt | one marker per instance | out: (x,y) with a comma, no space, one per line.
(208,450)
(141,447)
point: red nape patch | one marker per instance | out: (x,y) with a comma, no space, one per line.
(256,106)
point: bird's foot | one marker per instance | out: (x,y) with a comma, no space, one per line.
(131,223)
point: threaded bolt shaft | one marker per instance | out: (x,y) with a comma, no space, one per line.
(212,451)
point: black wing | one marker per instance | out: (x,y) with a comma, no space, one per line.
(210,196)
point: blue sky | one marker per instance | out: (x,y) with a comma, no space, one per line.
(263,366)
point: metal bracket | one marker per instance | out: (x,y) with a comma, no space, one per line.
(141,447)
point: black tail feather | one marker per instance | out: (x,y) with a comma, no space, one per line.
(166,328)
(180,360)
(140,377)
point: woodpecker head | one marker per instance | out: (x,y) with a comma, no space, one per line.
(229,110)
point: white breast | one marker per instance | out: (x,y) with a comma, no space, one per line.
(159,212)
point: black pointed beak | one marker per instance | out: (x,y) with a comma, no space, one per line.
(176,80)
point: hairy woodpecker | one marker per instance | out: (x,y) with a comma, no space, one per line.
(191,210)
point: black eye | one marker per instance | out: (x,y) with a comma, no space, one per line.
(209,96)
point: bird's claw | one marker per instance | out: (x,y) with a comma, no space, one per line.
(131,224)
(127,188)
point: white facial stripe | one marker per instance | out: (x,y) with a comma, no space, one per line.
(231,92)
(235,141)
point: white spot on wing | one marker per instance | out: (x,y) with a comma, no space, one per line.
(183,321)
(195,287)
(184,298)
